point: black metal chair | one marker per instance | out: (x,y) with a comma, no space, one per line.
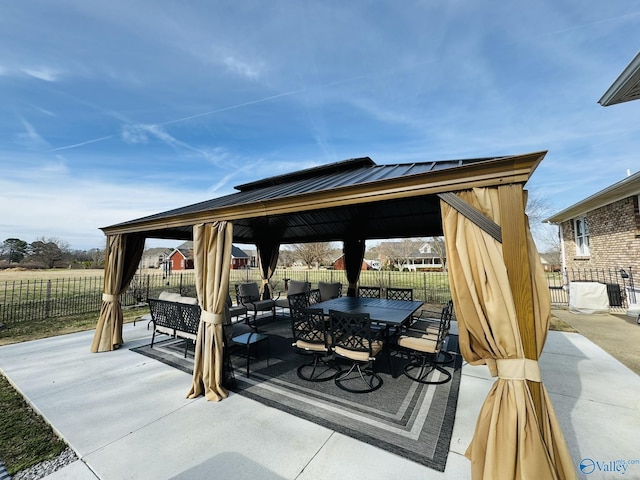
(292,287)
(314,296)
(310,337)
(427,321)
(329,290)
(248,295)
(400,294)
(369,292)
(423,348)
(353,339)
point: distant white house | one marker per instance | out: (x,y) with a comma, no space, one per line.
(154,257)
(417,256)
(426,258)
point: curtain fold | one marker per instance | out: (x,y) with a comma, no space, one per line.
(212,245)
(123,254)
(511,439)
(353,249)
(268,251)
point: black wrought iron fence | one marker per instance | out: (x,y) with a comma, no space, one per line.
(27,300)
(619,283)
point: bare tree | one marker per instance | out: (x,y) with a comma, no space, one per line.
(398,253)
(286,257)
(437,245)
(538,208)
(312,253)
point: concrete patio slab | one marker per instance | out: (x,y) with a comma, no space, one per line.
(126,416)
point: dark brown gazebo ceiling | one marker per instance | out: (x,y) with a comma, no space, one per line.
(350,199)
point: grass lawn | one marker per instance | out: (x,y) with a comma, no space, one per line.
(25,438)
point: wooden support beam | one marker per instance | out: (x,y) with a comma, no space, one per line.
(516,258)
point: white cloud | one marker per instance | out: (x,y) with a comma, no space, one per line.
(53,202)
(241,68)
(134,134)
(30,137)
(42,73)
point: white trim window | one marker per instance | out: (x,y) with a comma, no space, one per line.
(581,229)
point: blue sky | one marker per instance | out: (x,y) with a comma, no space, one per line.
(112,110)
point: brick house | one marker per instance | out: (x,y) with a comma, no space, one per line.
(181,258)
(603,230)
(338,264)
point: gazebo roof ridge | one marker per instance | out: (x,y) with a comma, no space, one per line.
(313,172)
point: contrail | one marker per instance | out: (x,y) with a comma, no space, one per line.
(170,122)
(233,107)
(67,147)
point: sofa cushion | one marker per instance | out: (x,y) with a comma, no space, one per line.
(187,300)
(169,296)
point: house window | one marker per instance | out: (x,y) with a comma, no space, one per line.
(581,228)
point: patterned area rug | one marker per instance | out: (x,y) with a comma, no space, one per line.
(404,417)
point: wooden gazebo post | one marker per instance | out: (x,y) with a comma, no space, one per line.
(516,259)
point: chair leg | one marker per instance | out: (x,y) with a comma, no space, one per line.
(320,370)
(372,380)
(425,367)
(443,358)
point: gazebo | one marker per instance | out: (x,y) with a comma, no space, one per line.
(497,282)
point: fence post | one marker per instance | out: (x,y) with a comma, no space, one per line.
(424,285)
(48,300)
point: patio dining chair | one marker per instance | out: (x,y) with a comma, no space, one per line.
(293,287)
(400,294)
(353,339)
(329,290)
(248,295)
(423,348)
(427,321)
(311,337)
(369,292)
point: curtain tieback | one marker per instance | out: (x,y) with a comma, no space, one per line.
(516,369)
(107,297)
(212,318)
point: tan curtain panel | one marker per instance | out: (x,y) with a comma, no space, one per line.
(511,440)
(268,251)
(123,254)
(212,261)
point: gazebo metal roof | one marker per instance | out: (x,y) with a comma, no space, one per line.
(352,198)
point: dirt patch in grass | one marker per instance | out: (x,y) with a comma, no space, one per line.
(559,325)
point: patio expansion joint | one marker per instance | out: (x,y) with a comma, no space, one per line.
(141,427)
(331,434)
(596,402)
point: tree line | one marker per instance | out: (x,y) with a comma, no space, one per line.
(48,253)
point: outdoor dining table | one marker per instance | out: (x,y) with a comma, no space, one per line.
(389,314)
